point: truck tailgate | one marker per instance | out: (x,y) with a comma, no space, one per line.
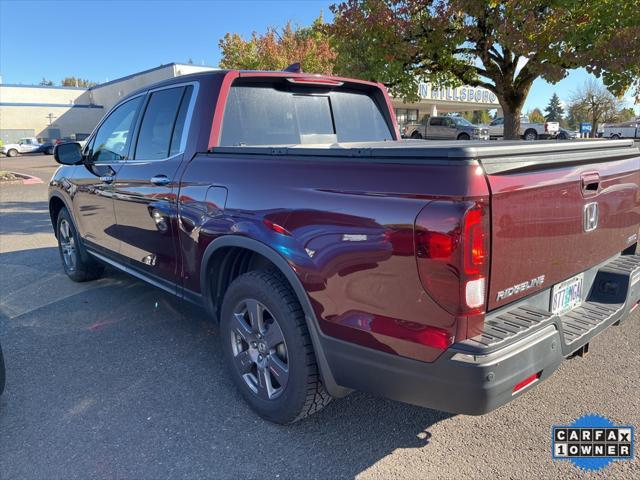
(558,214)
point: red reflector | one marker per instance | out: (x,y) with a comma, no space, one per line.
(434,337)
(526,382)
(276,228)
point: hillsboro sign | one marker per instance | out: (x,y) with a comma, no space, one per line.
(466,93)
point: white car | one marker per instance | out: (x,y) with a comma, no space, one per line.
(24,145)
(528,130)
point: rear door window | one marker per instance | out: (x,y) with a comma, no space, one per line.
(162,124)
(266,115)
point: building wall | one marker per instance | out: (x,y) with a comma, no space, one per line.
(49,112)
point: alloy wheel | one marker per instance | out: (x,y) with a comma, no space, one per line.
(67,245)
(259,350)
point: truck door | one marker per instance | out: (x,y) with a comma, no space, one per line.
(146,186)
(434,130)
(93,181)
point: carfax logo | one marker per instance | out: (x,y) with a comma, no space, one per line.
(592,442)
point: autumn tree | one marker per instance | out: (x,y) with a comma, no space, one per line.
(77,82)
(535,116)
(595,103)
(554,109)
(278,48)
(502,45)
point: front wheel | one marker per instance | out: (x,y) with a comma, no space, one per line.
(464,136)
(77,263)
(12,153)
(268,349)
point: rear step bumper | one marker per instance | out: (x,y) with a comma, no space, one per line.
(519,345)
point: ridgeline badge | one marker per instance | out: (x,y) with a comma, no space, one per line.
(592,442)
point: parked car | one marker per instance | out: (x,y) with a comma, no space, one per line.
(24,145)
(446,128)
(528,130)
(630,129)
(564,134)
(335,256)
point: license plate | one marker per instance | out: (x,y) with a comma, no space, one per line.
(567,295)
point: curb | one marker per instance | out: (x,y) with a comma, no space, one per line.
(24,180)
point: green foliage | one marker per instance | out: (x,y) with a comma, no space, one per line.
(277,49)
(554,109)
(502,45)
(46,83)
(77,82)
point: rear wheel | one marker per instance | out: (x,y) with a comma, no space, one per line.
(77,263)
(12,153)
(268,349)
(416,136)
(615,137)
(530,135)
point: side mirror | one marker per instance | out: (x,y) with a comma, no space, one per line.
(68,153)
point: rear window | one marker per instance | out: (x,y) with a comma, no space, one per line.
(266,115)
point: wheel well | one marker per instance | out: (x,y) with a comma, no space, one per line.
(228,263)
(55,205)
(532,130)
(463,134)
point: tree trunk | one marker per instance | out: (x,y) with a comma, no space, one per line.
(511,121)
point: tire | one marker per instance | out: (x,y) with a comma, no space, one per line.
(49,151)
(272,363)
(615,137)
(416,136)
(77,263)
(12,153)
(2,372)
(530,135)
(464,136)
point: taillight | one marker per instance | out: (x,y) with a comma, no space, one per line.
(546,127)
(452,250)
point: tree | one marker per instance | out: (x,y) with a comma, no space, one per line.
(625,114)
(535,116)
(554,110)
(595,103)
(77,82)
(46,83)
(277,49)
(502,45)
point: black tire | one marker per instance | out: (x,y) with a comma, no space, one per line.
(77,263)
(464,136)
(530,135)
(615,137)
(2,372)
(49,151)
(416,136)
(12,153)
(302,393)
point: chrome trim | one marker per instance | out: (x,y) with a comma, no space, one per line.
(509,351)
(132,272)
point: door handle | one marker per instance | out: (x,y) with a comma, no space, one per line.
(160,180)
(106,179)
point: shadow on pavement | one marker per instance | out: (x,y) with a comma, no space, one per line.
(115,378)
(25,218)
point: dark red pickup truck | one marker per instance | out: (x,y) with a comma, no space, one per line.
(452,275)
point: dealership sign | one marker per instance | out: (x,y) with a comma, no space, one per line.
(466,93)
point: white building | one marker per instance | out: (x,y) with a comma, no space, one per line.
(58,112)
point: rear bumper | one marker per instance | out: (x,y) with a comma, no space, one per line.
(478,375)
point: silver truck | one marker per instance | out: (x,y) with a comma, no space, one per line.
(528,130)
(446,128)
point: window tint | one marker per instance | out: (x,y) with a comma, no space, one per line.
(178,130)
(156,129)
(264,115)
(435,121)
(110,142)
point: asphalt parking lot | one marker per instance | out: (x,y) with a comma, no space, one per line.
(116,379)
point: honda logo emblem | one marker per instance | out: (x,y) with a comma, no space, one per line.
(590,216)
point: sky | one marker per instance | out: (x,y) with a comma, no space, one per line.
(102,40)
